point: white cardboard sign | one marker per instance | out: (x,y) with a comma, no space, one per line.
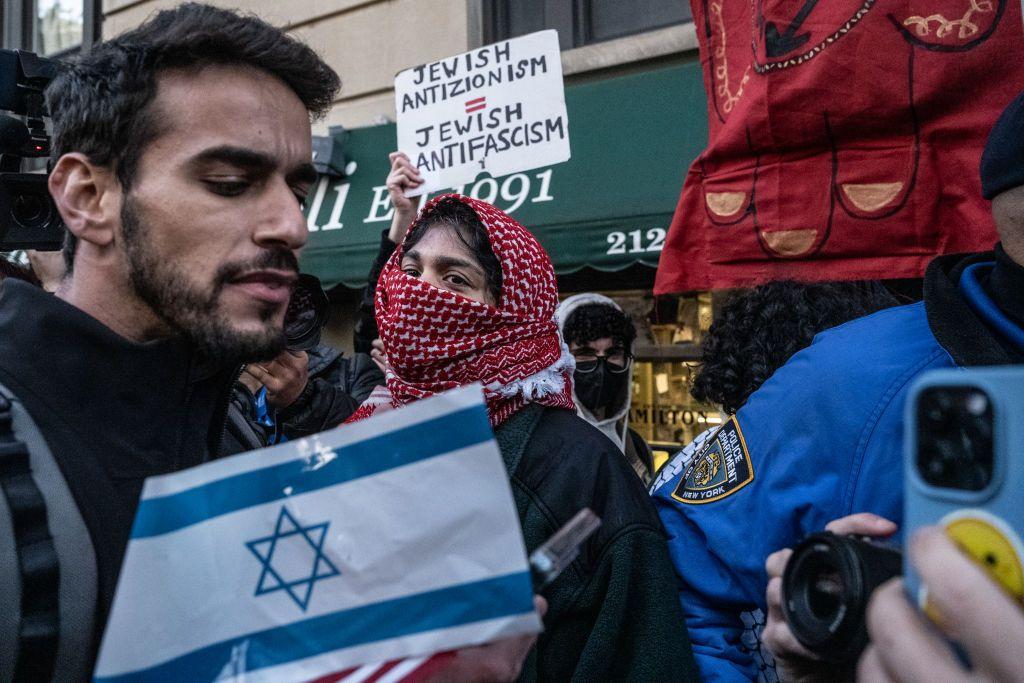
(499,108)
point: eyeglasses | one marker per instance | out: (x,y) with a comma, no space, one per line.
(617,362)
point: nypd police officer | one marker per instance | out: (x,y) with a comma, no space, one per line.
(821,439)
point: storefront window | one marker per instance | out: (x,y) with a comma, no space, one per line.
(580,22)
(57,26)
(663,411)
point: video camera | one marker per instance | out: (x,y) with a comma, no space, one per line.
(28,217)
(963,471)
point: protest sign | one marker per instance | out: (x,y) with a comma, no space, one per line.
(392,538)
(499,108)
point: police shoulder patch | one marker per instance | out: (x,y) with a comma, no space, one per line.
(721,468)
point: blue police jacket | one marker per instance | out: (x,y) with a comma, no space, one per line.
(821,439)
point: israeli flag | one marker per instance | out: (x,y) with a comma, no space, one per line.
(389,538)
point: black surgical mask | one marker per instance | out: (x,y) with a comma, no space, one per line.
(599,390)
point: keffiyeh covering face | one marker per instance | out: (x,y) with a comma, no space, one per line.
(437,340)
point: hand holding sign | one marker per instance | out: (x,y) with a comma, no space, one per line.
(402,183)
(499,108)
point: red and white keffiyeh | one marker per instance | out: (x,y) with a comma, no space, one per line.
(436,340)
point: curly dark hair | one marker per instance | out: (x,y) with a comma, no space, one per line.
(596,320)
(758,330)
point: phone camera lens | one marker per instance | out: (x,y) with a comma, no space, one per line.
(976,404)
(955,437)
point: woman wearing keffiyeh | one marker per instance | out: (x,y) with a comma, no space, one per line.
(470,296)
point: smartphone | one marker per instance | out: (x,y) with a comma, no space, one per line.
(558,552)
(964,469)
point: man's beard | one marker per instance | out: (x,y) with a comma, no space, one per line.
(163,284)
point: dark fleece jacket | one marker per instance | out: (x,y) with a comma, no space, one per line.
(613,614)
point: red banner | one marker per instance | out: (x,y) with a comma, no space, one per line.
(844,138)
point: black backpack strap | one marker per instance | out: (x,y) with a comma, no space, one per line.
(50,577)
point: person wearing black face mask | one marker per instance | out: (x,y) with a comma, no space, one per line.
(600,337)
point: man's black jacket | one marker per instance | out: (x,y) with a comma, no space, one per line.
(112,411)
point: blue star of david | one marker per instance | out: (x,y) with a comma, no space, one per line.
(292,573)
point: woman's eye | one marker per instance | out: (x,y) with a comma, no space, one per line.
(458,280)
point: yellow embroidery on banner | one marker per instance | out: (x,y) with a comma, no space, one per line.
(965,27)
(721,63)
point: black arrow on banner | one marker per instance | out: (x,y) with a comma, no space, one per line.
(778,44)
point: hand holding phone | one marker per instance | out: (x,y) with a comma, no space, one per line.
(558,552)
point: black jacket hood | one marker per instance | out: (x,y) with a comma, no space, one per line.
(957,328)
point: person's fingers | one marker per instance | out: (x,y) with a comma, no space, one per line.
(958,586)
(862,524)
(256,371)
(403,178)
(409,171)
(870,668)
(294,360)
(773,595)
(776,563)
(540,604)
(377,354)
(908,648)
(781,642)
(777,635)
(405,163)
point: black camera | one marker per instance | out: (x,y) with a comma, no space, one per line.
(826,587)
(28,217)
(306,315)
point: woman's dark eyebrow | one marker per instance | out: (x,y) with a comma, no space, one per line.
(452,262)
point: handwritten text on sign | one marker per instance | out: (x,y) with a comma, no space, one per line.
(500,108)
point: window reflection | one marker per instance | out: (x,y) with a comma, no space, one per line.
(662,409)
(57,25)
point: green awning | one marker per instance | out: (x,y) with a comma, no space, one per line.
(633,138)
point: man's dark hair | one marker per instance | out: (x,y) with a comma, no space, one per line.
(596,321)
(101,104)
(471,232)
(758,330)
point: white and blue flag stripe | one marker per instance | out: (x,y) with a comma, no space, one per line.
(393,537)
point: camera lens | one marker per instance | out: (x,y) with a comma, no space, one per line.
(28,217)
(826,588)
(31,211)
(825,596)
(976,403)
